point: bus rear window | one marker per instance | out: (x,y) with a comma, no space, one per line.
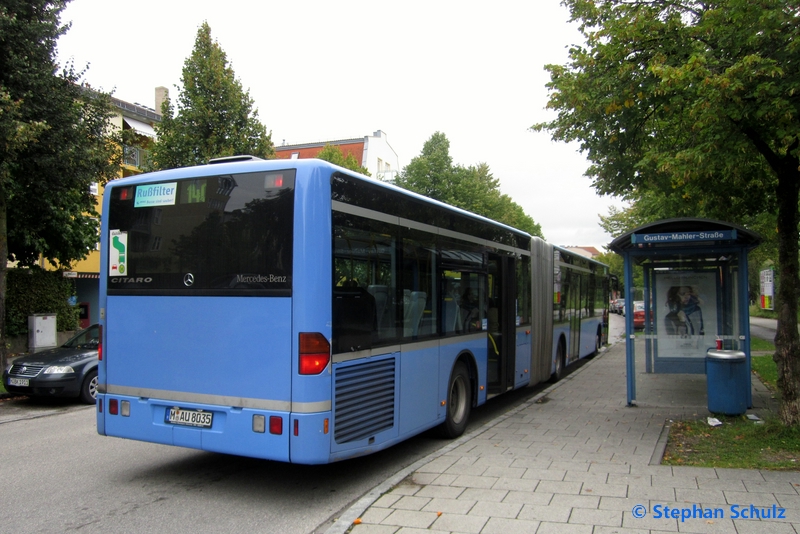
(219,235)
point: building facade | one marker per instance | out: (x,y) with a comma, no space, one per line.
(373,151)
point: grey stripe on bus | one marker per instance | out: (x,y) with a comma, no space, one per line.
(219,400)
(399,221)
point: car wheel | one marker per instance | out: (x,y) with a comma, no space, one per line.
(459,402)
(89,388)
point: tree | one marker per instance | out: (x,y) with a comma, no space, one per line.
(333,154)
(54,143)
(214,117)
(473,188)
(694,101)
(430,173)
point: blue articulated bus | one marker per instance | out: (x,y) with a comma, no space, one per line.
(293,310)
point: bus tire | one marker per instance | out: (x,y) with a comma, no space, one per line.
(561,362)
(459,402)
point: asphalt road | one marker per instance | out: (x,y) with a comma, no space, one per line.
(763,328)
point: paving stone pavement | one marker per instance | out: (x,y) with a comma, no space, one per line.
(577,459)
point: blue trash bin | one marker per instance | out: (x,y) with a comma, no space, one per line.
(728,381)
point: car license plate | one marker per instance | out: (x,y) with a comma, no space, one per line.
(179,416)
(23,382)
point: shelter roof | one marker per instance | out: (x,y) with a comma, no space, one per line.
(685,232)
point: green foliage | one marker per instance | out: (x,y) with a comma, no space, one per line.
(687,99)
(472,188)
(34,290)
(334,154)
(691,108)
(53,141)
(431,173)
(214,117)
(617,268)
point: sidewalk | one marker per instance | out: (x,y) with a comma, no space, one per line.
(577,459)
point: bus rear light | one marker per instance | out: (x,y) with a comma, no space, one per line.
(275,424)
(125,408)
(315,353)
(296,427)
(113,407)
(100,345)
(325,426)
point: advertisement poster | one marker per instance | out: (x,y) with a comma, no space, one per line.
(767,289)
(685,310)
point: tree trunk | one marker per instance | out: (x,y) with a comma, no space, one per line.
(787,340)
(3,271)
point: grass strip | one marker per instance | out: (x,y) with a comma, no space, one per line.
(738,443)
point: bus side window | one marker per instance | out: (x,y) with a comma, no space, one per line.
(381,295)
(451,307)
(418,281)
(415,307)
(353,318)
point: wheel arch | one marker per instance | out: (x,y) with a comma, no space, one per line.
(599,338)
(560,342)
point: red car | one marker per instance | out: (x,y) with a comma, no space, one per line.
(638,314)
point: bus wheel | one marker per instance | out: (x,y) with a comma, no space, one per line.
(561,357)
(459,402)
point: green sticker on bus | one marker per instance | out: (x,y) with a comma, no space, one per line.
(117,253)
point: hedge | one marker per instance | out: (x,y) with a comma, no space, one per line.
(34,290)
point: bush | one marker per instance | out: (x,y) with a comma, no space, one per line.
(34,290)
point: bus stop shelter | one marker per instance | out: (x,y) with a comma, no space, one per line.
(694,294)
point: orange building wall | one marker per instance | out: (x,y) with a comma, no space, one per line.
(356,149)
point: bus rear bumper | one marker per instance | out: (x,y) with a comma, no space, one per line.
(240,431)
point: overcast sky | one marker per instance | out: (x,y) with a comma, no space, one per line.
(321,70)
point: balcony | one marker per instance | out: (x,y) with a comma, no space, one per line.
(134,156)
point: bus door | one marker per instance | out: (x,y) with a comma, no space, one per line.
(501,316)
(575,311)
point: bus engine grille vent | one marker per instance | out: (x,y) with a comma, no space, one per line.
(364,400)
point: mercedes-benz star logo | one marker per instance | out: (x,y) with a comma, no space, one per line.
(188,279)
